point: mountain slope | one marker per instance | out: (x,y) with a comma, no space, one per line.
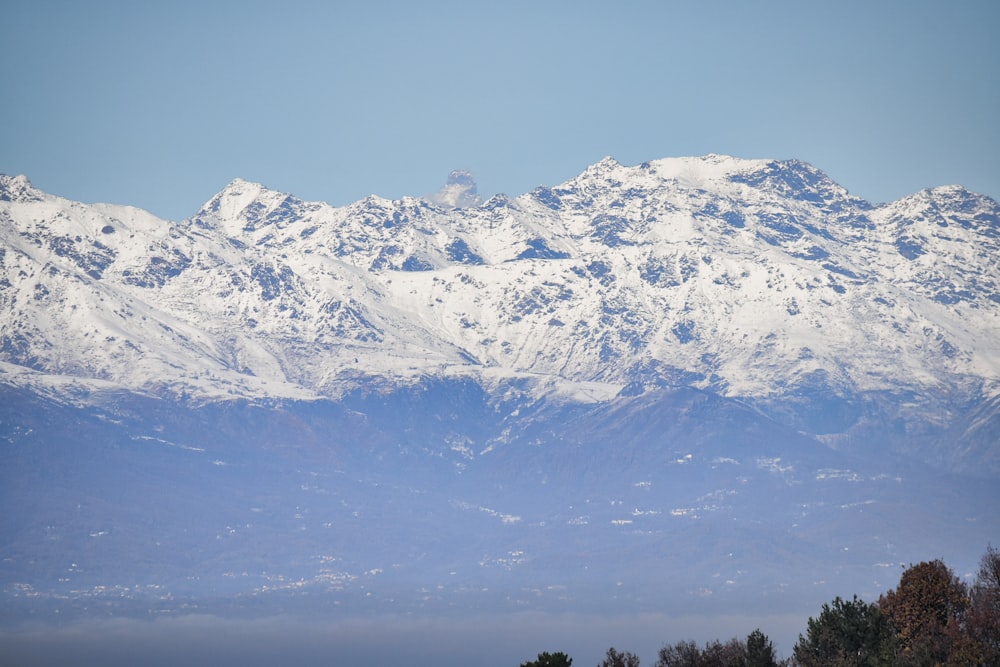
(432,499)
(759,280)
(709,381)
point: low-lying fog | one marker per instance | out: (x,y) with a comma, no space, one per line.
(469,641)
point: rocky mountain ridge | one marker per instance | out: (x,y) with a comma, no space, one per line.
(759,280)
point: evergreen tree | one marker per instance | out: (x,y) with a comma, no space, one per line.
(550,660)
(847,634)
(760,650)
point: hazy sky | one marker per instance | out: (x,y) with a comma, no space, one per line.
(161,104)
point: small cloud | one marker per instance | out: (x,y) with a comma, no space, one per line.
(459,192)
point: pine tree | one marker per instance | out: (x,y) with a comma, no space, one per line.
(550,660)
(847,634)
(760,650)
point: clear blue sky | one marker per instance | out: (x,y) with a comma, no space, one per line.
(161,104)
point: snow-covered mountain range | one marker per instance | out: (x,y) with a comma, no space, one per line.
(689,378)
(758,280)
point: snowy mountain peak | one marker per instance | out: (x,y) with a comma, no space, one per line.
(235,197)
(956,195)
(722,175)
(18,188)
(245,206)
(946,205)
(605,163)
(702,171)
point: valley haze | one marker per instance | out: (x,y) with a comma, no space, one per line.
(693,393)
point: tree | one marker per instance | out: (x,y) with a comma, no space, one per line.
(929,610)
(616,659)
(550,660)
(984,616)
(681,654)
(715,654)
(847,634)
(760,650)
(729,654)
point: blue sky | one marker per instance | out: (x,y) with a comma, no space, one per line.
(160,105)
